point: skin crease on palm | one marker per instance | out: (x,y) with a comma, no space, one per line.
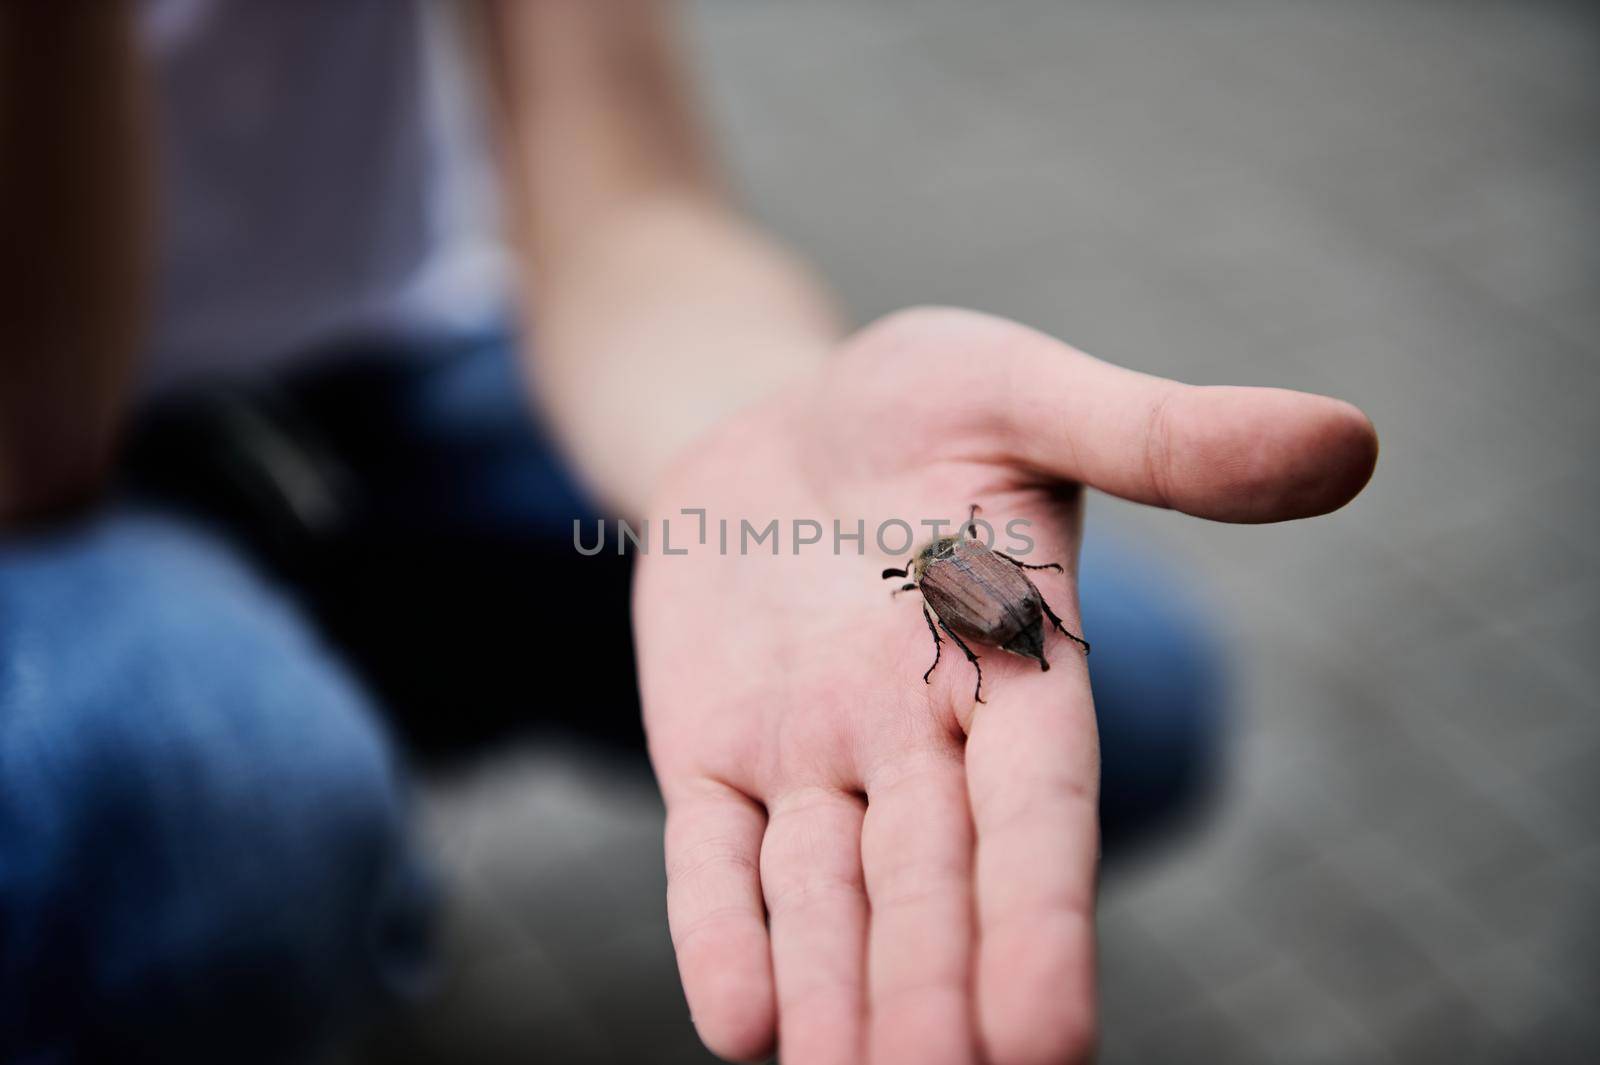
(863,867)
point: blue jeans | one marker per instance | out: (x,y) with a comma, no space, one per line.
(204,846)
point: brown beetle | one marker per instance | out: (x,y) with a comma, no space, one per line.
(970,590)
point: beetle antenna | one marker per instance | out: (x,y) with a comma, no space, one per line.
(892,572)
(972,526)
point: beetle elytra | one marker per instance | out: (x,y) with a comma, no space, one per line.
(971,591)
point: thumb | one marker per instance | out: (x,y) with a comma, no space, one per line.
(1226,453)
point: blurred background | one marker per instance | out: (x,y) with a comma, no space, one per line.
(1392,201)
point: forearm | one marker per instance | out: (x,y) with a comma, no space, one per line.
(73,231)
(655,311)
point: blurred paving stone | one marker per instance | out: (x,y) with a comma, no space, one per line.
(1141,981)
(1490,687)
(1200,1034)
(1522,1001)
(555,940)
(1287,1017)
(1435,1024)
(1560,633)
(1475,838)
(1568,774)
(1444,927)
(1199,930)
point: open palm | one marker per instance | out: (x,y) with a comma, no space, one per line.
(868,867)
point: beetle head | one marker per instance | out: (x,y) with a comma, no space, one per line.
(941,548)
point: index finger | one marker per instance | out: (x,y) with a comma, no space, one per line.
(1033,778)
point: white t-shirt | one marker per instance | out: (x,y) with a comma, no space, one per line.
(324,180)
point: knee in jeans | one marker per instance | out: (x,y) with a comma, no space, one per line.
(199,889)
(208,820)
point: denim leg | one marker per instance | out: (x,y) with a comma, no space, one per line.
(462,491)
(203,845)
(1159,689)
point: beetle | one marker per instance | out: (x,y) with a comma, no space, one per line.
(972,591)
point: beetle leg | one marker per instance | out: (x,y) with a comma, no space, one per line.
(1026,565)
(977,692)
(1051,614)
(908,586)
(892,572)
(938,644)
(972,526)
